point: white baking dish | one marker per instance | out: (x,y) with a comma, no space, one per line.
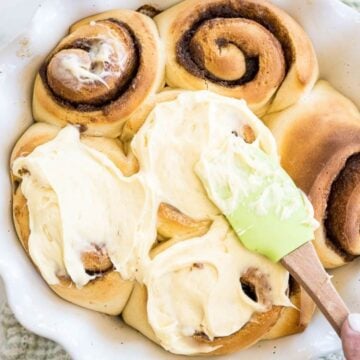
(334,29)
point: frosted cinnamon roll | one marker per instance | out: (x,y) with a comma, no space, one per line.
(210,295)
(100,73)
(247,49)
(78,216)
(319,144)
(198,266)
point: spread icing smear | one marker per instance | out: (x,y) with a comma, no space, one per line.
(79,202)
(194,288)
(176,133)
(183,298)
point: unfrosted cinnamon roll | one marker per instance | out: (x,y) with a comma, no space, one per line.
(100,73)
(66,194)
(319,144)
(247,49)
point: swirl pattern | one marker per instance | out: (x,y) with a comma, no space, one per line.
(327,168)
(245,49)
(100,73)
(343,221)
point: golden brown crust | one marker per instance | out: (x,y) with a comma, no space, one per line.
(251,333)
(96,261)
(135,312)
(174,224)
(101,109)
(316,138)
(240,48)
(107,293)
(293,319)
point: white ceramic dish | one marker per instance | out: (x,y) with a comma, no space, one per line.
(334,29)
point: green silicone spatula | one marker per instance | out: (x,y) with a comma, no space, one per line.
(270,215)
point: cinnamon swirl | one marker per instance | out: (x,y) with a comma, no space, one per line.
(247,49)
(319,144)
(100,73)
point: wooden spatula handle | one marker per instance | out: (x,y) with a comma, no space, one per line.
(304,265)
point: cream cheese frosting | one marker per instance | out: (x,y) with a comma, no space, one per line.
(105,50)
(176,133)
(78,199)
(194,287)
(78,202)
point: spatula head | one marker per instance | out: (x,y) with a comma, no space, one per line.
(267,211)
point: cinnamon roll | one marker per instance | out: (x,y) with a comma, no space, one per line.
(210,295)
(247,49)
(319,143)
(66,194)
(100,73)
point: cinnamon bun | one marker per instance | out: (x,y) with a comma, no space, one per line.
(66,194)
(247,49)
(100,73)
(319,144)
